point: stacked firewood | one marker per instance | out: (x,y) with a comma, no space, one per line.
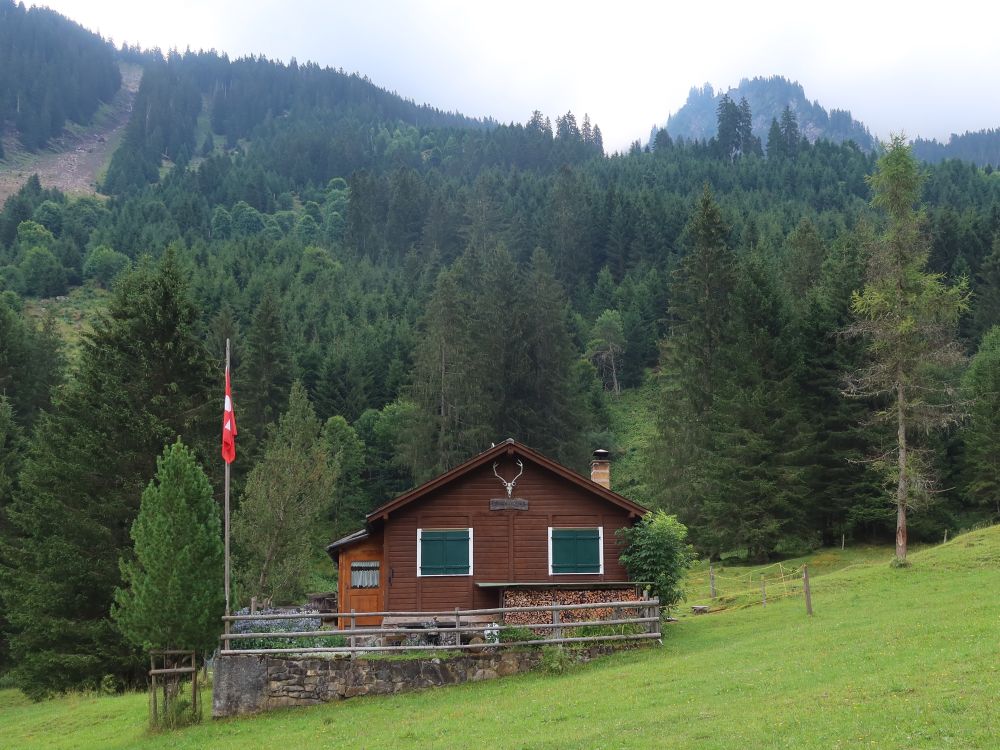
(548,597)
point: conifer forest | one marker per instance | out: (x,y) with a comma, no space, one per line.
(811,326)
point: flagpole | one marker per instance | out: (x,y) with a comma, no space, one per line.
(227,516)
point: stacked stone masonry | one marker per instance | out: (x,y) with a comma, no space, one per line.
(251,684)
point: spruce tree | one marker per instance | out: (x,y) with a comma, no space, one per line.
(497,362)
(986,312)
(982,436)
(267,374)
(723,455)
(693,367)
(143,379)
(172,593)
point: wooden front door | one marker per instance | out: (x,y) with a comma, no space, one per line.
(364,589)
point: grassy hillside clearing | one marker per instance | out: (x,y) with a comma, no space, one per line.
(892,659)
(74,314)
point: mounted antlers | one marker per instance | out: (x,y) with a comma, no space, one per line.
(509,486)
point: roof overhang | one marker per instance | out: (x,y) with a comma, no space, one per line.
(358,536)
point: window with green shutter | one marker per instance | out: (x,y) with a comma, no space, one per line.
(444,552)
(576,550)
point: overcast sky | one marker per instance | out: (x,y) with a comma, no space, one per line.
(896,66)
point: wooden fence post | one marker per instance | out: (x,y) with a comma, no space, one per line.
(711,580)
(556,619)
(152,690)
(458,624)
(763,593)
(945,536)
(805,590)
(353,641)
(194,682)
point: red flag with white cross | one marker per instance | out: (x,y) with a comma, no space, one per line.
(228,426)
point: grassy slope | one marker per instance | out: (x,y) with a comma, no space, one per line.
(74,314)
(633,423)
(892,659)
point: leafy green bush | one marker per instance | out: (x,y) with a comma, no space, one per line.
(587,631)
(517,635)
(103,264)
(555,660)
(656,550)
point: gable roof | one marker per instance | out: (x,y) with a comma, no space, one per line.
(508,447)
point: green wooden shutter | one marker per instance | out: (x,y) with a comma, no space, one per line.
(576,550)
(444,553)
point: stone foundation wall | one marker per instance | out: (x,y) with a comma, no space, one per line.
(251,684)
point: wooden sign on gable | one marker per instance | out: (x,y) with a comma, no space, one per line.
(508,503)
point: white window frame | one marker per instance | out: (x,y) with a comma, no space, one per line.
(600,549)
(420,533)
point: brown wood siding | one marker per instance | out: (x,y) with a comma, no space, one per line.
(508,545)
(369,549)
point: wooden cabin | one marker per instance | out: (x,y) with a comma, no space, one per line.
(507,518)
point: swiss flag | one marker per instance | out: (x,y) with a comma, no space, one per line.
(228,426)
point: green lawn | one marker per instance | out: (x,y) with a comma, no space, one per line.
(891,659)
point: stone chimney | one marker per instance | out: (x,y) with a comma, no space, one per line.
(600,468)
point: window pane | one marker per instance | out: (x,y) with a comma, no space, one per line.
(364,574)
(444,552)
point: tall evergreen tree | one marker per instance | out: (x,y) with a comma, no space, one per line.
(981,461)
(498,362)
(171,597)
(693,364)
(267,374)
(142,380)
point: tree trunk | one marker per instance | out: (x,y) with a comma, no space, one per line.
(614,374)
(902,489)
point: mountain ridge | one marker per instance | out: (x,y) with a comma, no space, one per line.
(767,98)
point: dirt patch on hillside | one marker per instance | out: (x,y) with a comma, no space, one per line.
(73,161)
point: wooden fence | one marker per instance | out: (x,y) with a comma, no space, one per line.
(486,625)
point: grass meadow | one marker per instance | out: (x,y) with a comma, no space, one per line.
(905,658)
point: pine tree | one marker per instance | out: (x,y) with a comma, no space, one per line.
(909,318)
(790,136)
(142,380)
(497,362)
(986,311)
(982,436)
(171,596)
(693,367)
(267,374)
(727,139)
(843,492)
(775,143)
(723,455)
